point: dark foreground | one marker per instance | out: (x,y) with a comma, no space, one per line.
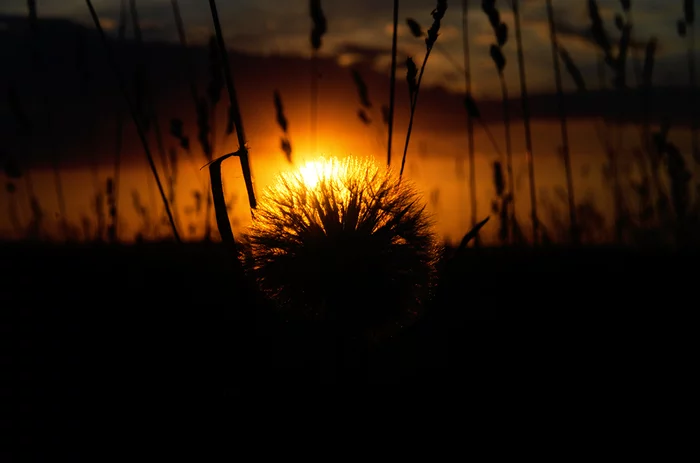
(163,324)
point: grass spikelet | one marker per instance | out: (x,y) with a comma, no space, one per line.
(411,75)
(359,241)
(285,143)
(361,87)
(320,24)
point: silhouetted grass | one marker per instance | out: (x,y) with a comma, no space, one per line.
(389,118)
(501,33)
(235,123)
(515,6)
(42,70)
(470,123)
(413,82)
(135,115)
(576,74)
(686,29)
(318,30)
(285,143)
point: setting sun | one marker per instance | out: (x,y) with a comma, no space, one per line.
(321,169)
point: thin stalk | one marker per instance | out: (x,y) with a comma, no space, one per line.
(189,71)
(470,122)
(392,83)
(695,124)
(42,68)
(134,115)
(212,144)
(526,121)
(151,106)
(414,101)
(116,176)
(238,123)
(563,124)
(314,102)
(509,147)
(117,171)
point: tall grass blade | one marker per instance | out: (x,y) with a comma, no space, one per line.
(392,83)
(235,109)
(526,121)
(556,53)
(137,121)
(472,113)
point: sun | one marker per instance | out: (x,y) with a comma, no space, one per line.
(314,172)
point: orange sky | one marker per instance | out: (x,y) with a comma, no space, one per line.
(83,125)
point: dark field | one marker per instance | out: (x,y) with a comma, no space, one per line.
(143,308)
(100,335)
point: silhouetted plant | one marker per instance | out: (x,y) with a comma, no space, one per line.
(24,131)
(501,204)
(41,69)
(318,30)
(146,98)
(236,122)
(134,115)
(414,84)
(114,182)
(496,51)
(203,114)
(285,143)
(363,94)
(515,5)
(359,240)
(142,213)
(617,64)
(366,110)
(388,112)
(558,52)
(686,28)
(470,116)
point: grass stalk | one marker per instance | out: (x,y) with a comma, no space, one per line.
(134,115)
(150,109)
(319,28)
(515,4)
(563,124)
(118,145)
(235,111)
(509,142)
(432,36)
(414,102)
(689,17)
(470,121)
(41,68)
(392,82)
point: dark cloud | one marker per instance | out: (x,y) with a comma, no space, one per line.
(257,77)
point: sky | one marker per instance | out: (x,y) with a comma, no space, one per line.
(361,29)
(270,52)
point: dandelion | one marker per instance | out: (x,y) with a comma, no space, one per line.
(343,241)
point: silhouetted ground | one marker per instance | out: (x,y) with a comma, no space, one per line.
(145,327)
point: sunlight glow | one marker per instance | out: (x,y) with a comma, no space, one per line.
(316,171)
